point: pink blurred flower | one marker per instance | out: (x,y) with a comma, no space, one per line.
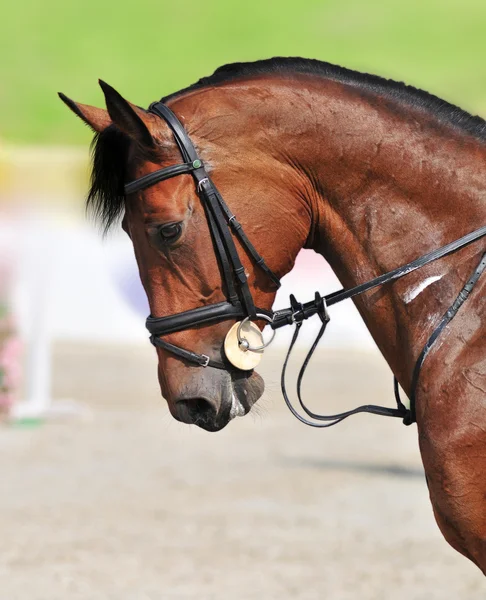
(10,367)
(6,401)
(10,354)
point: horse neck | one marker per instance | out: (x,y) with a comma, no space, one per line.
(388,183)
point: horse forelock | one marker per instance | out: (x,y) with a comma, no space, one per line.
(106,198)
(110,148)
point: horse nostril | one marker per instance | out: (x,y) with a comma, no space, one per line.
(193,410)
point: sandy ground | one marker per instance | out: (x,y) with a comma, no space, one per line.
(127,504)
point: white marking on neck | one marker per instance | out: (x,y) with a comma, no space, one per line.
(412,294)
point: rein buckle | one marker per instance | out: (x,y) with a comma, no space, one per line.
(200,184)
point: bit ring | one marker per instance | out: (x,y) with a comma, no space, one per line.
(243,342)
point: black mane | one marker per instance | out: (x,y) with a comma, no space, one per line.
(443,110)
(110,148)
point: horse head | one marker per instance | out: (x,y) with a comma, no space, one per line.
(175,248)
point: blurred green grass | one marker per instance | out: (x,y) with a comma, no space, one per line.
(149,48)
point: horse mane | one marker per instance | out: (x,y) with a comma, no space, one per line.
(396,90)
(110,148)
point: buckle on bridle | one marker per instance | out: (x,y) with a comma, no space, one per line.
(206,360)
(199,185)
(300,312)
(297,309)
(321,306)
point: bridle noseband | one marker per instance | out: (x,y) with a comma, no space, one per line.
(239,304)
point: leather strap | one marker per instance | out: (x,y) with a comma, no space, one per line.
(408,415)
(446,319)
(208,192)
(329,420)
(201,360)
(223,260)
(240,301)
(161,175)
(288,316)
(203,315)
(228,259)
(245,242)
(183,141)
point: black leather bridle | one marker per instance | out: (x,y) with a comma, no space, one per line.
(239,303)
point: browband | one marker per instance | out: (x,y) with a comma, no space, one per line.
(161,175)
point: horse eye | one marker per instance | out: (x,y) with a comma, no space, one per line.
(170,232)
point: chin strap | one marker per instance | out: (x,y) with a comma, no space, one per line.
(201,360)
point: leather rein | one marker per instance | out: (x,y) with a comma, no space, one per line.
(239,303)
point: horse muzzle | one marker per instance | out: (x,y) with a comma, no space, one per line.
(213,411)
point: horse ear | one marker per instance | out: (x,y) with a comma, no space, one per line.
(133,121)
(96,118)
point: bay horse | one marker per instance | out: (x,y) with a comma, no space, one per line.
(368,172)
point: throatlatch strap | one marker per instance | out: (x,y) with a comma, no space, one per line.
(245,242)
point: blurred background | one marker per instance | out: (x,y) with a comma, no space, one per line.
(102,494)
